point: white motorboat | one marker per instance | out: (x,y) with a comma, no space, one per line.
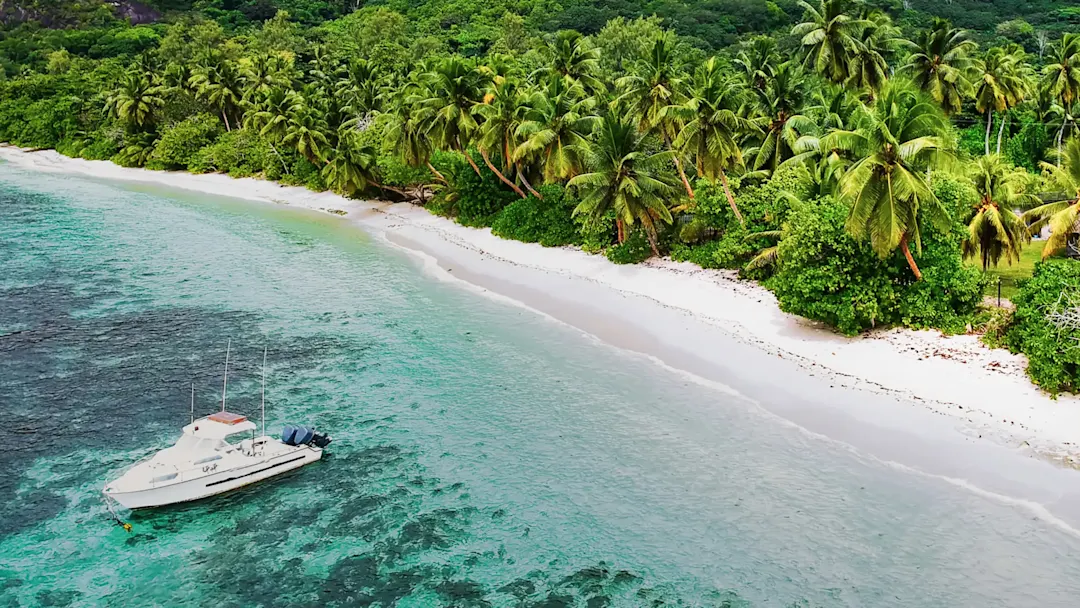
(204,461)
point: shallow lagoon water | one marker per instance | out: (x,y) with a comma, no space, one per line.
(484,455)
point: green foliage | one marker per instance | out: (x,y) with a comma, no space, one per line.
(179,143)
(597,233)
(827,275)
(239,153)
(549,222)
(1053,352)
(480,197)
(1027,148)
(634,250)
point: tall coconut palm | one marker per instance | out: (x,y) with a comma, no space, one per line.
(1001,85)
(220,85)
(135,101)
(352,166)
(455,86)
(941,65)
(713,125)
(828,37)
(1062,216)
(406,133)
(654,83)
(895,143)
(781,120)
(1061,79)
(995,231)
(262,73)
(757,60)
(868,67)
(269,116)
(361,89)
(572,57)
(623,175)
(558,119)
(501,112)
(306,132)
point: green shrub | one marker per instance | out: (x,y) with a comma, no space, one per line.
(826,275)
(549,221)
(634,250)
(240,153)
(481,197)
(596,233)
(180,142)
(1053,353)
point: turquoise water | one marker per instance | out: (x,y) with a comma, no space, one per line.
(483,455)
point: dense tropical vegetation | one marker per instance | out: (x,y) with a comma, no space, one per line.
(849,154)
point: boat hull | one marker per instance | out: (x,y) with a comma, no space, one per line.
(214,484)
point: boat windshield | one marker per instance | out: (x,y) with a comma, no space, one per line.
(196,444)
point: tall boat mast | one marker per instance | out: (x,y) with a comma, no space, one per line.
(193,403)
(225,383)
(263,407)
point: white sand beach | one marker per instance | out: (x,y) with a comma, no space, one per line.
(983,393)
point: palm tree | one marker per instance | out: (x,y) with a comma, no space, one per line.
(1001,85)
(556,122)
(868,67)
(262,73)
(1061,79)
(352,167)
(712,125)
(219,84)
(361,89)
(269,116)
(407,127)
(758,60)
(828,36)
(654,83)
(1062,216)
(995,231)
(305,130)
(625,176)
(135,101)
(894,145)
(781,120)
(501,111)
(941,64)
(573,58)
(455,87)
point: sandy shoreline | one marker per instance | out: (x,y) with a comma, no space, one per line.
(985,392)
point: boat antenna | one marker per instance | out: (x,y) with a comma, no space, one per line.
(264,392)
(225,384)
(192,402)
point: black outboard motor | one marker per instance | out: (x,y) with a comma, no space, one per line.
(302,435)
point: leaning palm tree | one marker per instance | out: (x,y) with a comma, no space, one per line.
(897,141)
(558,119)
(713,125)
(135,101)
(828,36)
(654,83)
(624,175)
(455,86)
(352,166)
(995,231)
(501,112)
(220,85)
(941,65)
(406,133)
(1063,216)
(1001,85)
(305,131)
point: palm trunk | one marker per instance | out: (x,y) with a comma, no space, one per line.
(528,186)
(502,178)
(472,163)
(435,172)
(650,233)
(910,260)
(282,159)
(682,174)
(1001,131)
(226,117)
(730,198)
(621,236)
(989,120)
(1061,132)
